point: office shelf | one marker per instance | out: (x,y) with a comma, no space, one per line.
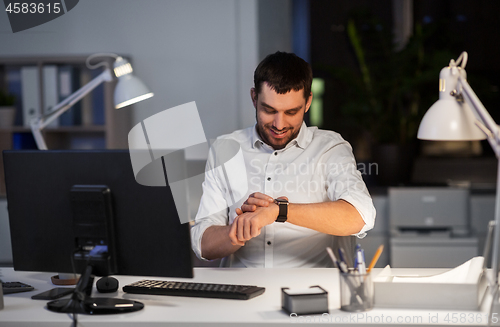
(110,133)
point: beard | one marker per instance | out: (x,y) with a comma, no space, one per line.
(266,134)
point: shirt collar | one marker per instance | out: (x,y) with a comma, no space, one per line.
(255,138)
(305,136)
(302,140)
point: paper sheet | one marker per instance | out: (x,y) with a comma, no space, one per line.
(467,272)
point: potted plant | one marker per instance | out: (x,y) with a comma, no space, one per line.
(7,109)
(387,96)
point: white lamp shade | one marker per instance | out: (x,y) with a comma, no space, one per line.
(449,120)
(129,90)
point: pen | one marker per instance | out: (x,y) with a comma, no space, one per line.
(375,257)
(360,256)
(342,256)
(358,246)
(341,265)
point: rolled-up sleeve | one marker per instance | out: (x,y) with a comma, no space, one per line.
(213,210)
(344,182)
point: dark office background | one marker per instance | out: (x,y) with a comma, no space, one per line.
(441,30)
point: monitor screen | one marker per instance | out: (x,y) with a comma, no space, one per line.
(145,232)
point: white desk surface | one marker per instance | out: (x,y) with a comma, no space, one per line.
(264,310)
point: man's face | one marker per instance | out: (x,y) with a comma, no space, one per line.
(279,116)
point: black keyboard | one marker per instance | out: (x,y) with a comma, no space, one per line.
(15,287)
(221,291)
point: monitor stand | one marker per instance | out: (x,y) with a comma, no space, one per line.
(81,302)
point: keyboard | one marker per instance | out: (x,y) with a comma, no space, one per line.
(15,287)
(221,291)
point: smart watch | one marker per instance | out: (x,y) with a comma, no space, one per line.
(283,205)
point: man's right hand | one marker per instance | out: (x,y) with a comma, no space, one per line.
(249,224)
(254,200)
(233,231)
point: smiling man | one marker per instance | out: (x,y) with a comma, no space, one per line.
(304,191)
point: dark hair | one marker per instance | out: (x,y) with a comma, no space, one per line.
(283,72)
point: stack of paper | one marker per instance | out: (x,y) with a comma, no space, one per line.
(459,288)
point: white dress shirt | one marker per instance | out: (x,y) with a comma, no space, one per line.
(316,166)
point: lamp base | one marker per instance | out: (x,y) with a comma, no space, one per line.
(95,306)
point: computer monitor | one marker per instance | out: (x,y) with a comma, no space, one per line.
(63,203)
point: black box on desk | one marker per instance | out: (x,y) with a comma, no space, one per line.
(313,300)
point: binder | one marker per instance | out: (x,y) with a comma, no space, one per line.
(98,112)
(69,83)
(65,90)
(77,107)
(50,92)
(13,75)
(31,94)
(86,102)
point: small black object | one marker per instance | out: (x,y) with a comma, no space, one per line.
(107,285)
(54,293)
(15,287)
(309,301)
(221,291)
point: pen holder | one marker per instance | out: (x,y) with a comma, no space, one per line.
(356,292)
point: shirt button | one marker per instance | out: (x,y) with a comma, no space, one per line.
(269,178)
(268,242)
(275,153)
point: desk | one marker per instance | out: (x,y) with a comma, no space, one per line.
(264,310)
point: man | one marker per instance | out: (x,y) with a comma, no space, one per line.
(304,175)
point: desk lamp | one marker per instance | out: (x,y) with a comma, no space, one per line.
(451,119)
(129,90)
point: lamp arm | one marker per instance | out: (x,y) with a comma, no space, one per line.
(39,123)
(67,103)
(494,139)
(483,114)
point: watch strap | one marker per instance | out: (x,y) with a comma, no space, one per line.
(283,210)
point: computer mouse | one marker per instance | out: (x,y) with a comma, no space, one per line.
(107,285)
